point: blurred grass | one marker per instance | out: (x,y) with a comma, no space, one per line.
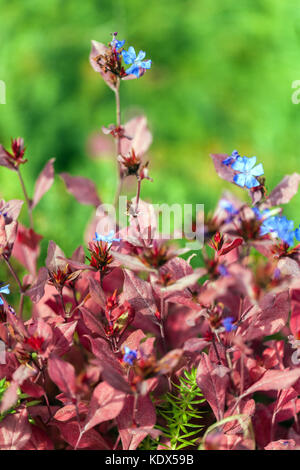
(221,80)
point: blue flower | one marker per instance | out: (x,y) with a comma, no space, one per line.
(137,61)
(284,229)
(129,356)
(227,323)
(248,172)
(235,154)
(4,290)
(228,207)
(279,227)
(297,233)
(223,271)
(117,45)
(106,238)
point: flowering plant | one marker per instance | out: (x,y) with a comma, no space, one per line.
(133,344)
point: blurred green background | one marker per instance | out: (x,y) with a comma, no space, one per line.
(221,80)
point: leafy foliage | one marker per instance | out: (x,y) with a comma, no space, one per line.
(124,339)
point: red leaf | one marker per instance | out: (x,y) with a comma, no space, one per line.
(36,292)
(39,440)
(93,324)
(91,440)
(140,137)
(285,190)
(63,375)
(27,248)
(230,246)
(145,417)
(212,385)
(106,404)
(224,171)
(15,431)
(269,318)
(139,294)
(274,380)
(82,189)
(63,337)
(44,182)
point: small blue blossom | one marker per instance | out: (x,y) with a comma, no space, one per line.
(117,45)
(278,226)
(137,61)
(228,207)
(229,160)
(4,290)
(297,233)
(284,229)
(129,356)
(227,323)
(106,238)
(223,271)
(248,172)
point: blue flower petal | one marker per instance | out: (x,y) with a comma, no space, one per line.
(251,182)
(239,164)
(228,161)
(127,57)
(258,170)
(141,55)
(5,289)
(240,179)
(134,69)
(249,163)
(146,64)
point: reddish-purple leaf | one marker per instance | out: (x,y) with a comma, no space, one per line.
(4,159)
(137,136)
(36,292)
(91,440)
(224,171)
(44,182)
(27,248)
(274,380)
(39,440)
(15,431)
(139,294)
(63,337)
(83,189)
(268,318)
(212,385)
(285,190)
(106,403)
(145,417)
(93,324)
(63,375)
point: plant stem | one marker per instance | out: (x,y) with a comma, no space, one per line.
(118,146)
(62,302)
(161,324)
(138,194)
(21,305)
(28,202)
(13,273)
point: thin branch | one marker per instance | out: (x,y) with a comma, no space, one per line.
(27,199)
